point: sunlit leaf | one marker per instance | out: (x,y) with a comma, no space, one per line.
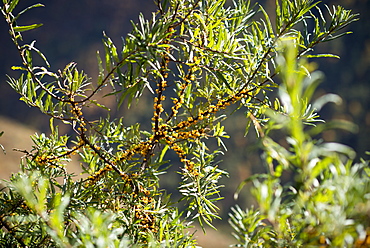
(26,28)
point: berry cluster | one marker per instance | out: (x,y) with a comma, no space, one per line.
(97,175)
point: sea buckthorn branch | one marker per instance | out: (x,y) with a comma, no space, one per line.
(12,230)
(144,209)
(26,64)
(221,103)
(41,159)
(181,97)
(158,107)
(176,13)
(195,5)
(159,6)
(189,166)
(242,90)
(165,57)
(174,134)
(160,132)
(109,164)
(140,202)
(109,75)
(203,48)
(91,180)
(162,83)
(202,114)
(52,155)
(143,148)
(44,159)
(271,48)
(51,162)
(146,219)
(261,61)
(72,151)
(81,131)
(173,141)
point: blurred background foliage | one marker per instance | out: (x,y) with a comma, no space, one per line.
(73,31)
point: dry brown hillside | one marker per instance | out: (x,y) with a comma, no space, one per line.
(16,135)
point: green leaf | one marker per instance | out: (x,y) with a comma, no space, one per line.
(268,22)
(220,76)
(324,55)
(101,69)
(56,217)
(51,124)
(278,20)
(26,28)
(99,105)
(26,9)
(249,179)
(32,47)
(163,152)
(12,5)
(15,68)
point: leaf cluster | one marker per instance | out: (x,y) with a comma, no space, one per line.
(325,202)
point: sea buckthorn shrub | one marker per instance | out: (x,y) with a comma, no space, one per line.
(197,61)
(325,202)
